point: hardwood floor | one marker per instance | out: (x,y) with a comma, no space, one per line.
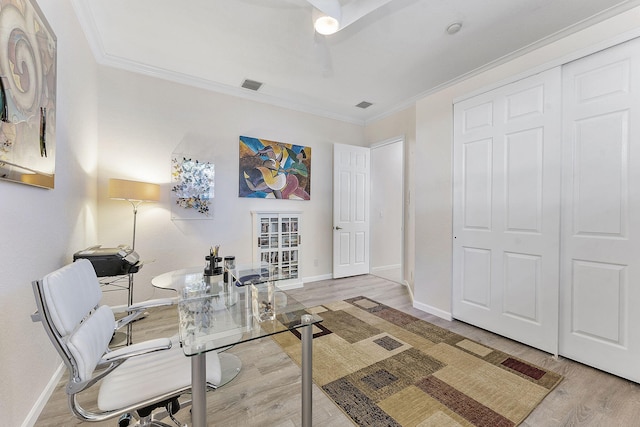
(267,390)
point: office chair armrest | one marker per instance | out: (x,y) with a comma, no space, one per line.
(136,350)
(152,303)
(137,310)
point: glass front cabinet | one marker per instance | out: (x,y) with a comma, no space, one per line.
(277,240)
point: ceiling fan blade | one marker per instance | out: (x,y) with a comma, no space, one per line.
(355,10)
(328,7)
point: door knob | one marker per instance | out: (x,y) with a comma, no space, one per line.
(338,228)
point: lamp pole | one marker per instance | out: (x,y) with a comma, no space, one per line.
(135,204)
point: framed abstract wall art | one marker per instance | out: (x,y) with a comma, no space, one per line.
(274,170)
(27,94)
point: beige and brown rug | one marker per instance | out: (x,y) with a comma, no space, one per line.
(383,367)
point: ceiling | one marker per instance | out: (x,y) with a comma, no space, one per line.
(390,57)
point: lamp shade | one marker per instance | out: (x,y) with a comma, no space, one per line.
(133,190)
(37,179)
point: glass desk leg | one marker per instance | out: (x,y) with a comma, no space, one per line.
(199,390)
(307,365)
(230,365)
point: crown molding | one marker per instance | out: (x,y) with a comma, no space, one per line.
(586,23)
(89,28)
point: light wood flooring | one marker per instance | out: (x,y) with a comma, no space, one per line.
(267,390)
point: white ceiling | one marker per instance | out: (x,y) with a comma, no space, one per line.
(390,57)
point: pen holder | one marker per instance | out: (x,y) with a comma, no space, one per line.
(212,267)
(262,301)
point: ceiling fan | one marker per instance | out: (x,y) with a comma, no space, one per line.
(334,17)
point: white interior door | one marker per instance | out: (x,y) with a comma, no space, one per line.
(351,172)
(507,210)
(601,212)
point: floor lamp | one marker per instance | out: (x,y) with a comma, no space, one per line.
(135,192)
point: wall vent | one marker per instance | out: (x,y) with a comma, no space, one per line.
(364,104)
(251,84)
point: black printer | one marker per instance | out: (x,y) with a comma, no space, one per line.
(111,261)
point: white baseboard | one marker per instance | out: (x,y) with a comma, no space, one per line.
(318,278)
(386,267)
(37,408)
(432,310)
(288,286)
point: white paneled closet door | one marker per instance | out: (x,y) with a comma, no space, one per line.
(600,271)
(507,210)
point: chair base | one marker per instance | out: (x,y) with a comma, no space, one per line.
(143,422)
(152,423)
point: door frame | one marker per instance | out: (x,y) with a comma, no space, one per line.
(396,140)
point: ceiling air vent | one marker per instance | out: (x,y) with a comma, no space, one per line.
(251,84)
(364,104)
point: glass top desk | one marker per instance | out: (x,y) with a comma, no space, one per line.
(215,314)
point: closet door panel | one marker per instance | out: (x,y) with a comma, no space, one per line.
(507,210)
(523,180)
(476,276)
(606,284)
(477,192)
(522,277)
(601,211)
(600,175)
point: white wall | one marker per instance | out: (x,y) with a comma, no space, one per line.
(434,130)
(42,228)
(144,119)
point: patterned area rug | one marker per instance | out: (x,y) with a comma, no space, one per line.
(383,367)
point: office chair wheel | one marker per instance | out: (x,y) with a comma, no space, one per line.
(124,420)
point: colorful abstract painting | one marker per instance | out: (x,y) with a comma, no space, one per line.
(274,170)
(27,94)
(192,188)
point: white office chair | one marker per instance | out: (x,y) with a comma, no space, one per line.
(134,380)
